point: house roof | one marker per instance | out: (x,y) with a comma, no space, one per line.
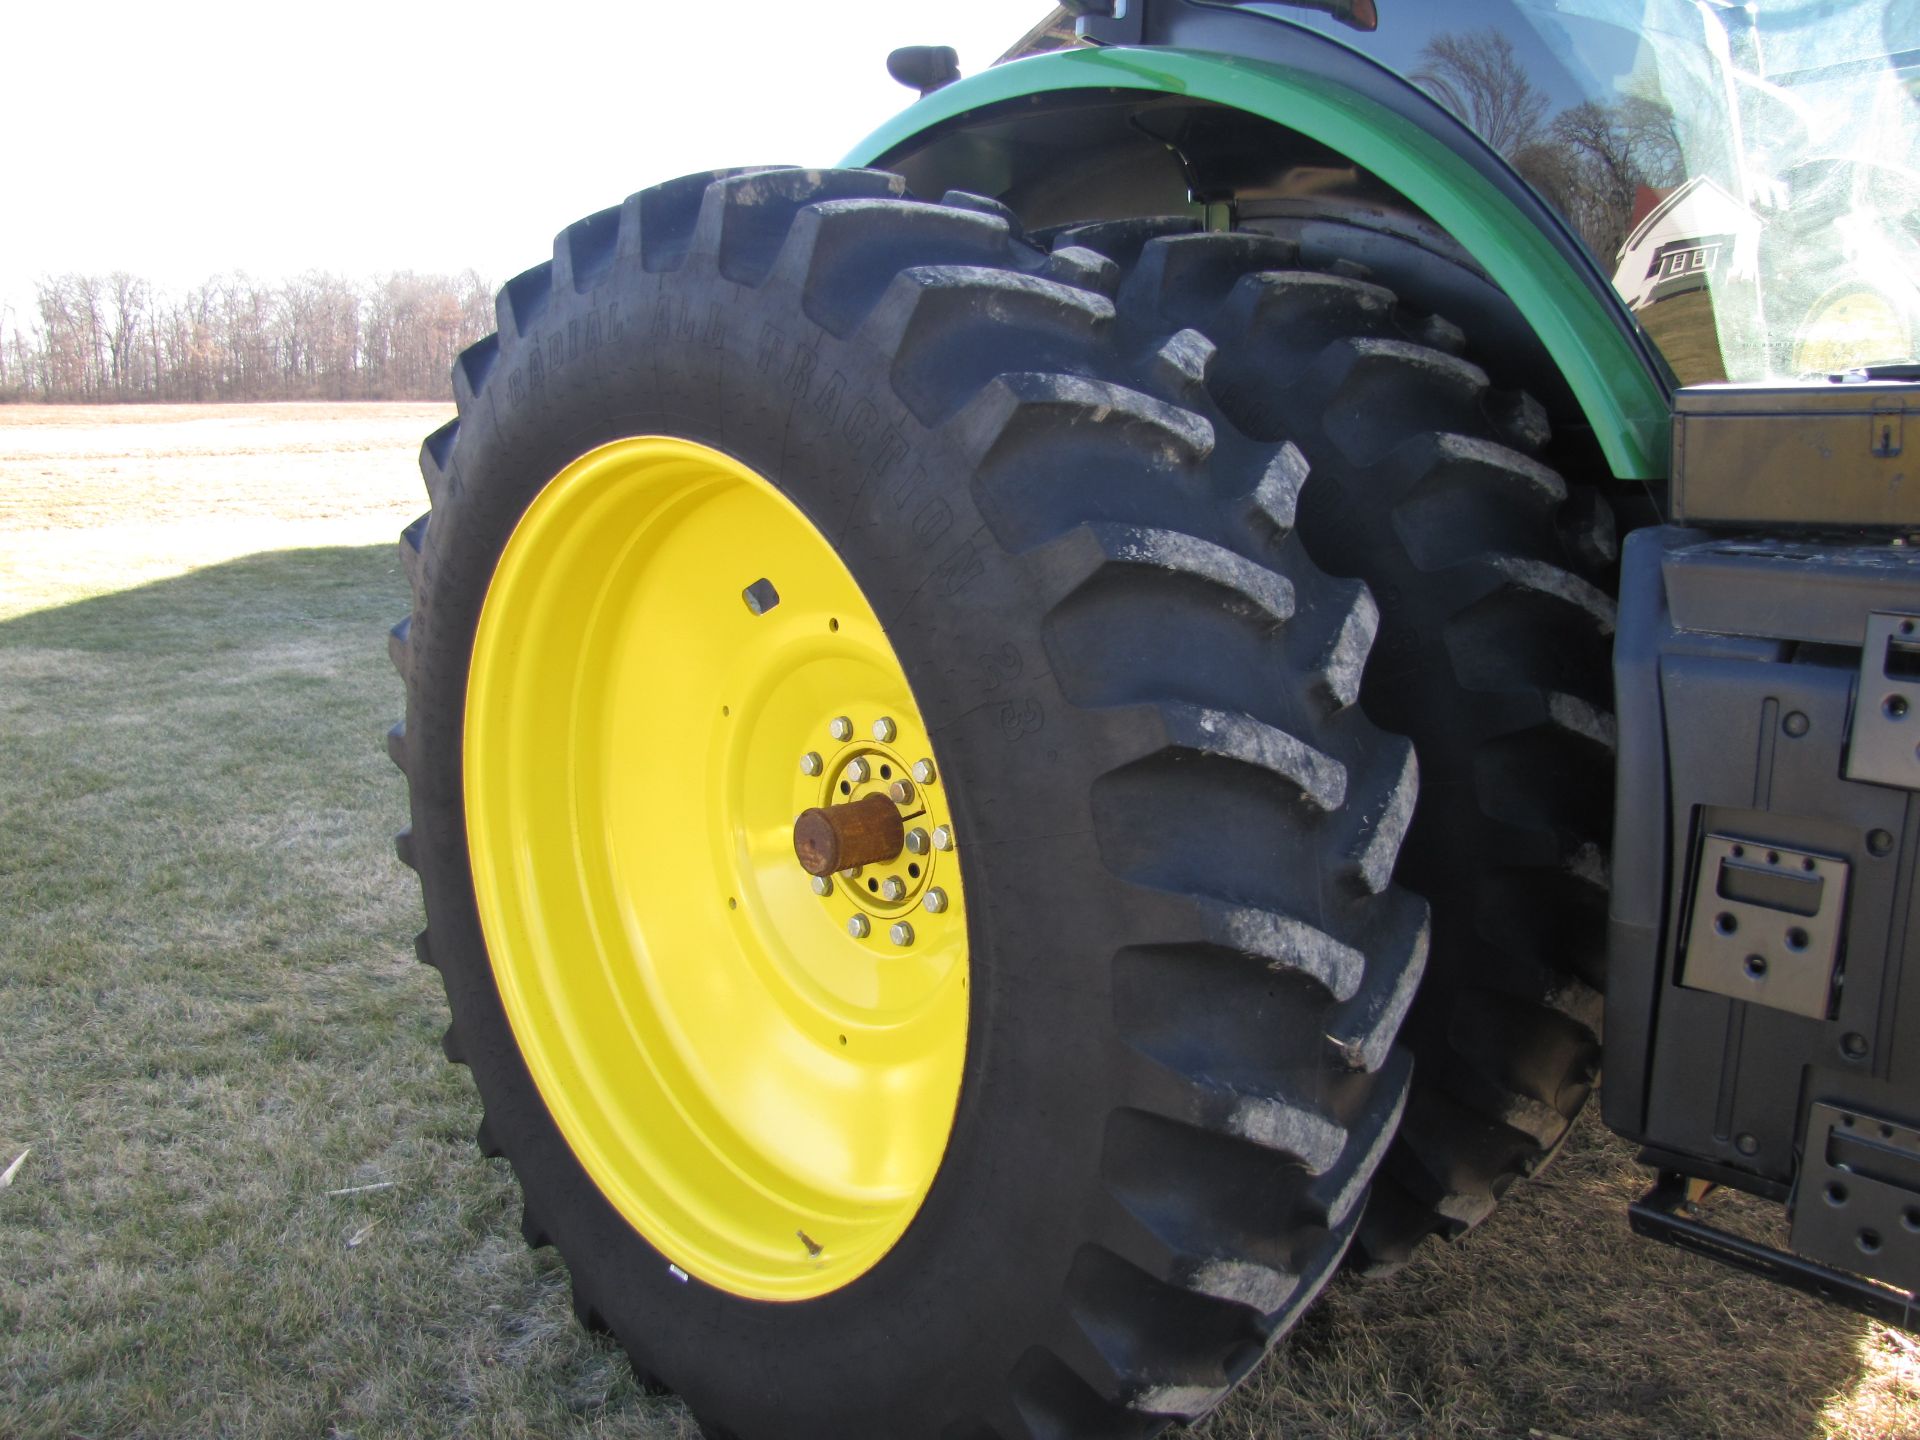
(1703,187)
(1053,33)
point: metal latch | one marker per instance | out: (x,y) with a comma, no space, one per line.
(1884,440)
(1766,924)
(1886,704)
(1858,1200)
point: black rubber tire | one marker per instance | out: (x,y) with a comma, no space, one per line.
(1494,650)
(1187,958)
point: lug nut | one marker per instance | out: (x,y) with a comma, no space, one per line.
(923,771)
(901,933)
(840,728)
(901,792)
(810,763)
(936,901)
(883,729)
(822,885)
(859,927)
(917,841)
(892,888)
(852,872)
(943,837)
(859,771)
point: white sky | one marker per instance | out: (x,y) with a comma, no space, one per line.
(178,141)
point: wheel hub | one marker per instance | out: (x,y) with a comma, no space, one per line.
(878,837)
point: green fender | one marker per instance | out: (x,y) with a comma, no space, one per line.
(1625,403)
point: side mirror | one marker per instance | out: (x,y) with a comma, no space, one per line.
(924,67)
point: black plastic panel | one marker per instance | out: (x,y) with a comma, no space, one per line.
(1801,592)
(1737,675)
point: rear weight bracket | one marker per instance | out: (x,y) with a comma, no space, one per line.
(1766,924)
(1886,705)
(1859,1194)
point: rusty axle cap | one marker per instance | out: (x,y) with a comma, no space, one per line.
(838,837)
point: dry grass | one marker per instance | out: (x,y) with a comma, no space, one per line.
(95,499)
(210,1019)
(1554,1320)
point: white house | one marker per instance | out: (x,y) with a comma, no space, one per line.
(1696,233)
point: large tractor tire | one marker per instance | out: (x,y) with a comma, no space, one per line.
(777,494)
(1394,367)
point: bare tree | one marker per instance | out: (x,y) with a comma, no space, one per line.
(127,302)
(90,313)
(61,331)
(316,336)
(1596,158)
(13,357)
(1477,76)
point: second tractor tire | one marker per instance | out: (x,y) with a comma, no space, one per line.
(1395,369)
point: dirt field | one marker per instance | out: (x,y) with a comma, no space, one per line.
(96,498)
(250,1204)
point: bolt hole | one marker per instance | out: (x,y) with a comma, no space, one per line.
(1880,842)
(1836,1194)
(1906,627)
(843,1039)
(1870,1241)
(1886,1132)
(1797,939)
(1725,923)
(732,904)
(1739,851)
(1773,857)
(914,871)
(1847,1121)
(1895,707)
(1807,864)
(1910,1217)
(845,788)
(874,885)
(726,709)
(833,624)
(886,772)
(1757,967)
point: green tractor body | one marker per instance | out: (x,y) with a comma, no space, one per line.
(1018,751)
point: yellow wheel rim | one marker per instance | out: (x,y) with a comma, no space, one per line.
(671,664)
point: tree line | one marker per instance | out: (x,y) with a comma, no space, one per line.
(325,337)
(106,338)
(1590,160)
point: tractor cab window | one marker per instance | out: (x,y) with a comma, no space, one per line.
(1745,171)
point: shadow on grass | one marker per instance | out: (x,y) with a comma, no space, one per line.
(261,595)
(211,1021)
(233,717)
(207,985)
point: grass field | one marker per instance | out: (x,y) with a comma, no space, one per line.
(211,1026)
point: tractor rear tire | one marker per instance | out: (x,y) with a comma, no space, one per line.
(1493,655)
(1177,829)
